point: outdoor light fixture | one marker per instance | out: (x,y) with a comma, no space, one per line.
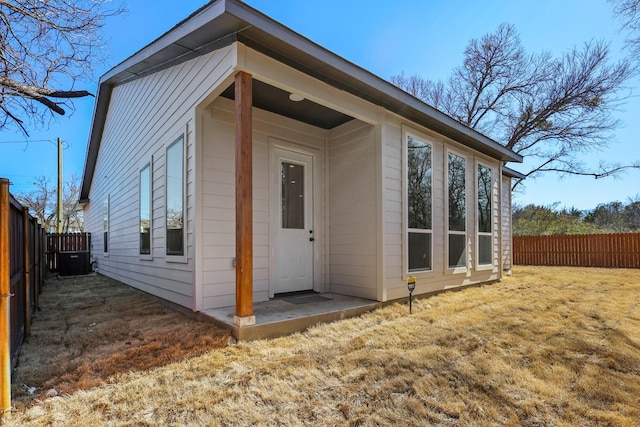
(296,97)
(411,285)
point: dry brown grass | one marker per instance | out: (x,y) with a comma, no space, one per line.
(548,346)
(90,329)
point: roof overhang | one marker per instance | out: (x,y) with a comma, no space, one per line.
(511,173)
(222,22)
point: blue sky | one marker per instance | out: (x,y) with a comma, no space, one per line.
(425,37)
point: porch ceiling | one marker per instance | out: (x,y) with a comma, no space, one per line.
(275,100)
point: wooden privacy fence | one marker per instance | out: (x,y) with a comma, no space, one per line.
(56,243)
(22,272)
(588,250)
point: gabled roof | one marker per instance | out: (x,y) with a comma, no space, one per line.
(222,22)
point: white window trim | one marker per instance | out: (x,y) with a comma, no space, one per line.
(406,132)
(462,269)
(149,256)
(492,234)
(177,258)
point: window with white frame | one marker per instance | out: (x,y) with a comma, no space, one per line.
(485,237)
(105,226)
(145,210)
(419,204)
(457,203)
(175,180)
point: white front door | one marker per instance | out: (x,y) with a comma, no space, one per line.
(293,213)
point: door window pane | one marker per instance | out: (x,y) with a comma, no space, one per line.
(292,183)
(419,251)
(175,198)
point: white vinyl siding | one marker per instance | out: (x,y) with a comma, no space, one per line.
(144,117)
(352,210)
(392,204)
(506,210)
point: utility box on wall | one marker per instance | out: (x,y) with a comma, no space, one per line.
(73,263)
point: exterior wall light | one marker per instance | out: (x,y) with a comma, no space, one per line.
(411,285)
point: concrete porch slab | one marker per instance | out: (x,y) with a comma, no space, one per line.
(279,317)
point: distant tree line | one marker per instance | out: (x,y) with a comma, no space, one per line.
(612,217)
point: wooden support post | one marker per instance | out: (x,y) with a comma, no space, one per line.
(244,201)
(27,272)
(5,290)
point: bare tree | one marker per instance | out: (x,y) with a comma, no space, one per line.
(46,47)
(72,218)
(551,110)
(41,202)
(628,11)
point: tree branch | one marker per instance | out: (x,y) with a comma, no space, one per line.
(19,122)
(604,173)
(40,94)
(45,45)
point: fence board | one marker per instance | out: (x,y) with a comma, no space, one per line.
(16,269)
(57,243)
(25,273)
(621,250)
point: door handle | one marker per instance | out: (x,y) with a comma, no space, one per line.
(311,239)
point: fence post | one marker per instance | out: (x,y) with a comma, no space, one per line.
(27,273)
(5,289)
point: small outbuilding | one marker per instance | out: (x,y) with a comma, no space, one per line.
(232,161)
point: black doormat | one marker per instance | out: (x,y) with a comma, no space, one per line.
(307,299)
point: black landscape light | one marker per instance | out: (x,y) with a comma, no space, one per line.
(411,285)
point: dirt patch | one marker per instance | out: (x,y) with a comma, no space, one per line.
(91,329)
